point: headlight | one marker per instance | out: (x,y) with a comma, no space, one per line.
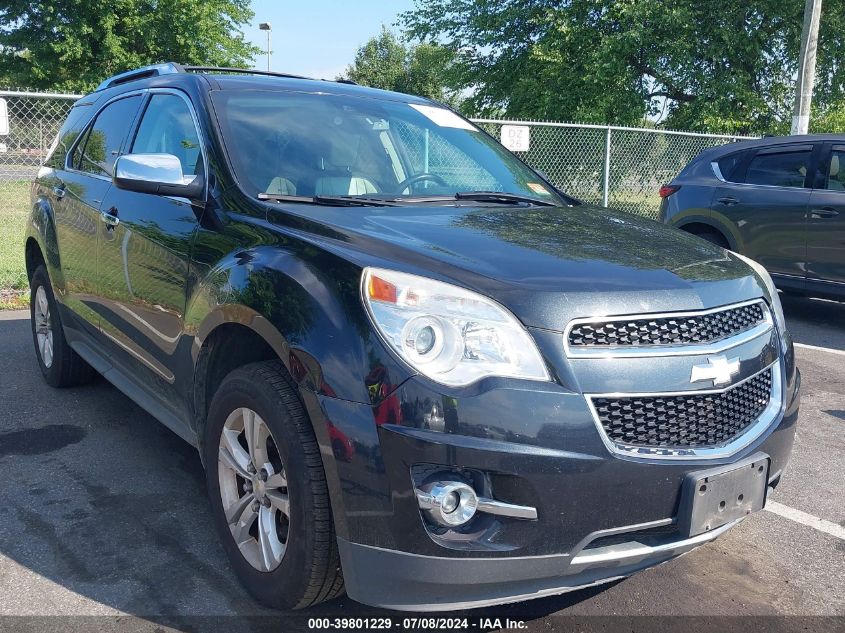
(449,334)
(777,308)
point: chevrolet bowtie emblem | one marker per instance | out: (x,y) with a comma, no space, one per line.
(718,369)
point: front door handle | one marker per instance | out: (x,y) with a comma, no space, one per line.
(728,201)
(110,218)
(823,213)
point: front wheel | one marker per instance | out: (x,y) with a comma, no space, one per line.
(268,490)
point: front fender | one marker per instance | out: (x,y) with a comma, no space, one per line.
(310,313)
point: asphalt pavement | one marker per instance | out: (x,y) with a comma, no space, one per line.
(103,513)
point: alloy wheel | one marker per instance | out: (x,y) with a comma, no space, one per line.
(43,327)
(254,489)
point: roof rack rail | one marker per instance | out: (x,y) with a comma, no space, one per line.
(170,68)
(239,71)
(251,71)
(154,70)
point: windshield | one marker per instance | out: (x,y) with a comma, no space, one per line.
(299,144)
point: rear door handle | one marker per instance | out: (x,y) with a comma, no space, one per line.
(728,201)
(823,213)
(110,218)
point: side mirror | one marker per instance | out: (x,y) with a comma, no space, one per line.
(159,174)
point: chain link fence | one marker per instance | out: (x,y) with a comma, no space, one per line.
(612,166)
(32,121)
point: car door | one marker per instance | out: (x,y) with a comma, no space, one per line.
(826,223)
(766,204)
(77,194)
(144,253)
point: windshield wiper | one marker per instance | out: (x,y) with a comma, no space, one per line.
(335,201)
(501,196)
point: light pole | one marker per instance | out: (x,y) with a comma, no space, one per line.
(266,26)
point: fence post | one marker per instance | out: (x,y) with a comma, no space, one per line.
(606,188)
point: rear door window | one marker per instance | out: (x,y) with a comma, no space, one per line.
(780,167)
(102,143)
(728,165)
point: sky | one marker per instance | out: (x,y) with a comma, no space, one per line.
(318,38)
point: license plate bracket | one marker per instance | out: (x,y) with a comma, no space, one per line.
(713,497)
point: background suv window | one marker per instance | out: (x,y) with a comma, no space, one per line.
(102,143)
(728,165)
(168,128)
(835,180)
(787,168)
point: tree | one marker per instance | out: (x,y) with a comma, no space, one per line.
(73,44)
(387,62)
(713,65)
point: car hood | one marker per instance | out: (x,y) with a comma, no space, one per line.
(547,265)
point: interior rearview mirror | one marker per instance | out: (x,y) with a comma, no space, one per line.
(159,174)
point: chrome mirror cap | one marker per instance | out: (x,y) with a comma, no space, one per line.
(161,168)
(159,174)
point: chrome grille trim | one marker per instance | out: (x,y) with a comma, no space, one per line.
(751,433)
(679,349)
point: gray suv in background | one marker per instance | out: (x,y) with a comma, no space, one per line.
(780,201)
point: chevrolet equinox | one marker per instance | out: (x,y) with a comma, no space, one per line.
(413,368)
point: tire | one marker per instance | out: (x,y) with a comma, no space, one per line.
(308,570)
(60,365)
(714,238)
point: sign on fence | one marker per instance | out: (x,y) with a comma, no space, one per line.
(516,137)
(4,117)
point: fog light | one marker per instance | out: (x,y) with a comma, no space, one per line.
(449,503)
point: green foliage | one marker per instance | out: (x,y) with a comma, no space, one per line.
(715,66)
(387,62)
(71,45)
(831,120)
(14,208)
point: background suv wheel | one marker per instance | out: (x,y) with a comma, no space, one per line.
(268,489)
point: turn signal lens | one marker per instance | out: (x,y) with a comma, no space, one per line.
(380,290)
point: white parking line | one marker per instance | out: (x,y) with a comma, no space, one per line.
(822,525)
(815,348)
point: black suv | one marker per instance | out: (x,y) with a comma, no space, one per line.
(409,364)
(779,201)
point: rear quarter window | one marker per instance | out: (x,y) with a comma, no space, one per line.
(69,132)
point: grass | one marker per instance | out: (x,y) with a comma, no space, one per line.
(14,208)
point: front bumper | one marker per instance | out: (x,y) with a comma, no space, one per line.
(600,516)
(410,582)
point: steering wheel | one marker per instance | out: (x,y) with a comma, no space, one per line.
(412,180)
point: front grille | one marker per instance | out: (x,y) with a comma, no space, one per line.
(694,420)
(668,330)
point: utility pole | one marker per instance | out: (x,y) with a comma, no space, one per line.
(806,67)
